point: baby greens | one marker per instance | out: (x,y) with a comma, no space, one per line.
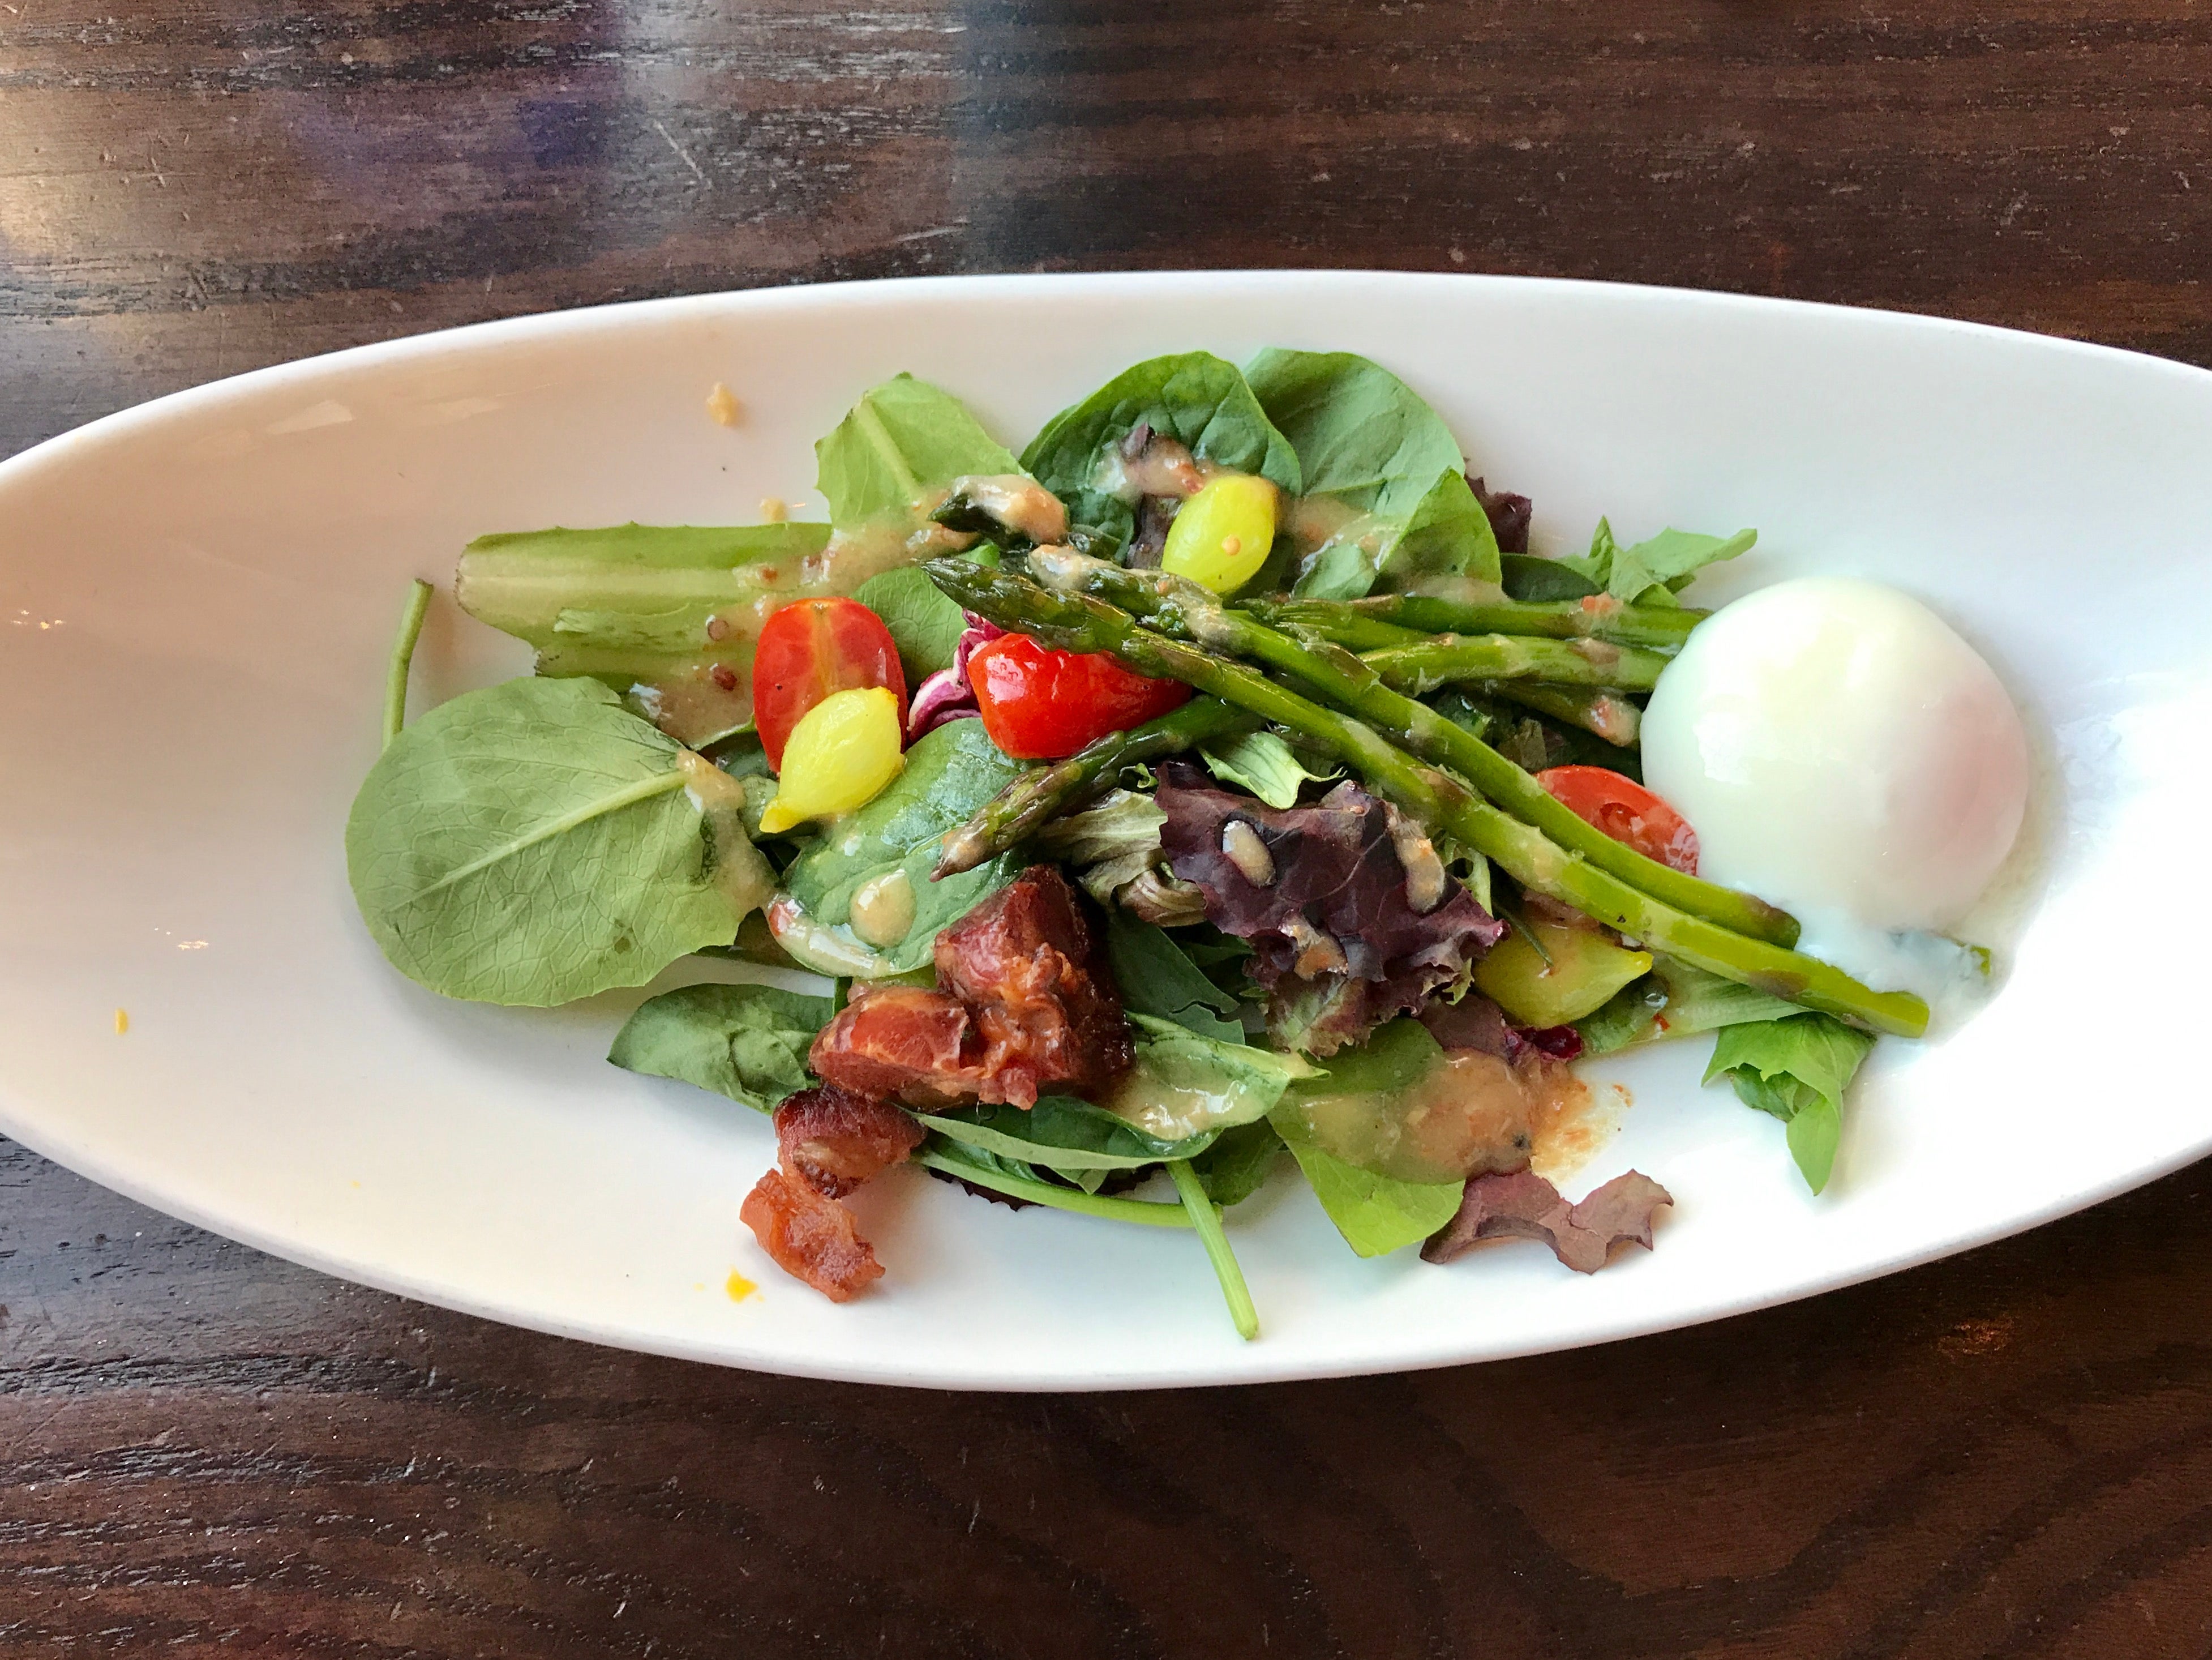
(627,603)
(533,843)
(1262,764)
(748,1043)
(1375,1213)
(949,774)
(1797,1069)
(1156,978)
(902,440)
(1369,443)
(1193,398)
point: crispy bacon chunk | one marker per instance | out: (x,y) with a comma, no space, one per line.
(1521,1204)
(1047,1013)
(1023,1005)
(833,1139)
(903,1041)
(811,1237)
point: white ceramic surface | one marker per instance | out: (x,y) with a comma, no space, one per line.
(197,598)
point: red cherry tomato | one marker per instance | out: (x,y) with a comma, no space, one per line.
(810,649)
(1040,705)
(1626,812)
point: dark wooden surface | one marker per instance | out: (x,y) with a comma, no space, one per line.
(203,1450)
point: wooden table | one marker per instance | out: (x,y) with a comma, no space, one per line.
(203,1450)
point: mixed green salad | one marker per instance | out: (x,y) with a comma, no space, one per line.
(1219,779)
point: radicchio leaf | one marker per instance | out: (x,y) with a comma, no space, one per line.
(1337,941)
(1522,1205)
(1508,515)
(1476,1023)
(947,695)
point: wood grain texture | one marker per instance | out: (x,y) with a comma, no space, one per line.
(205,1451)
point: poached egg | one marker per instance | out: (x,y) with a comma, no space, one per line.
(1841,752)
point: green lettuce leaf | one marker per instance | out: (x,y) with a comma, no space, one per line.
(1262,764)
(1077,1141)
(1193,398)
(748,1043)
(1158,978)
(1651,573)
(1234,1168)
(626,602)
(1797,1069)
(1183,1083)
(1376,1214)
(949,774)
(901,441)
(924,625)
(1368,441)
(1531,577)
(1687,999)
(532,843)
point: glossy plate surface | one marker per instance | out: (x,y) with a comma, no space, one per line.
(196,599)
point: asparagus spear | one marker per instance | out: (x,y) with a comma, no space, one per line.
(1183,608)
(1593,709)
(1661,627)
(1448,659)
(1331,620)
(1043,793)
(1072,621)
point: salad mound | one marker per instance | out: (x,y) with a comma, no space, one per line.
(1222,778)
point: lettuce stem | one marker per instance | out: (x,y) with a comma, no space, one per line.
(1207,1221)
(402,660)
(1044,1193)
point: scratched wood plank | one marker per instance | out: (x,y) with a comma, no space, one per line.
(205,1451)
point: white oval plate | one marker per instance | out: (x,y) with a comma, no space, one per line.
(199,598)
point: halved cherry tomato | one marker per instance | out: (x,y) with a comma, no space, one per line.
(1626,812)
(1040,704)
(810,649)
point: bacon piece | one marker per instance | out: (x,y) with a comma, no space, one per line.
(1521,1204)
(811,1238)
(833,1139)
(1048,1015)
(900,1041)
(1025,1006)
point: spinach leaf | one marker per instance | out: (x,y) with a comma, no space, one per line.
(1363,435)
(1527,577)
(1447,534)
(1262,764)
(1193,398)
(949,774)
(1376,1214)
(1368,443)
(1394,1057)
(748,1043)
(532,843)
(1629,1017)
(1071,1138)
(1797,1069)
(901,441)
(1184,1083)
(1183,1092)
(1651,573)
(1157,979)
(1687,999)
(924,625)
(1233,1168)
